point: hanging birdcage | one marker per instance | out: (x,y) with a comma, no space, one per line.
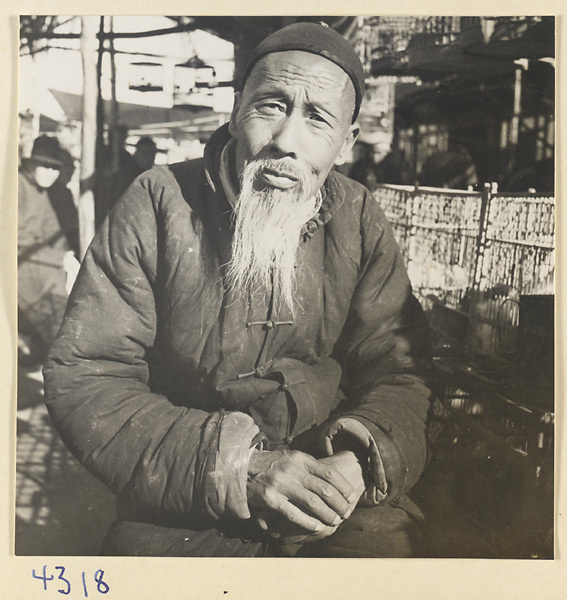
(145,77)
(194,81)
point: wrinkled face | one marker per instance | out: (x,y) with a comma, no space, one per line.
(298,107)
(44,176)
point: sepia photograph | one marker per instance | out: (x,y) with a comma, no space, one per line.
(285,287)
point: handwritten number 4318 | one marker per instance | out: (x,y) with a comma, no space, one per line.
(101,586)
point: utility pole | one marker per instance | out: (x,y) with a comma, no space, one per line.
(89,26)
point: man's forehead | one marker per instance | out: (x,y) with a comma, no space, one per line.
(296,67)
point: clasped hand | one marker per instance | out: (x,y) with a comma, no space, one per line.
(300,498)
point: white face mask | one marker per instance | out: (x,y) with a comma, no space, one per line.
(43,176)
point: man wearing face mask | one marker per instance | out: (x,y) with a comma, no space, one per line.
(45,258)
(241,356)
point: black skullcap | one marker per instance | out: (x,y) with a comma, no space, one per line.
(317,39)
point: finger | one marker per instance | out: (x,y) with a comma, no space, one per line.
(293,535)
(333,476)
(266,519)
(310,502)
(328,494)
(294,514)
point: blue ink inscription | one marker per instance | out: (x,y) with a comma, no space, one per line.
(65,582)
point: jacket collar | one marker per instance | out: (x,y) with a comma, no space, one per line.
(212,157)
(333,188)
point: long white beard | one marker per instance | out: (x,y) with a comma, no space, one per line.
(267,230)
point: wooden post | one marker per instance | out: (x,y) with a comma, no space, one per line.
(89,27)
(114,115)
(99,101)
(477,292)
(481,238)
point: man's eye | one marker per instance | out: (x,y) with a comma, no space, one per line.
(272,107)
(317,118)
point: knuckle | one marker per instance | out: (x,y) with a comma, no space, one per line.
(270,496)
(292,518)
(312,501)
(294,455)
(327,491)
(276,476)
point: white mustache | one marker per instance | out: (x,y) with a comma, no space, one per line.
(281,166)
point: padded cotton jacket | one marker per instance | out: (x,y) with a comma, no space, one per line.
(161,379)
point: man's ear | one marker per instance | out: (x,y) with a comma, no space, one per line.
(235,109)
(344,153)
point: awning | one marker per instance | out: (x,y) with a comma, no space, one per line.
(134,116)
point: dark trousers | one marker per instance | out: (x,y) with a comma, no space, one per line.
(389,531)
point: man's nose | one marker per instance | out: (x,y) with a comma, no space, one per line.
(286,137)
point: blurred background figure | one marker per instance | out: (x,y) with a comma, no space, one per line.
(452,168)
(112,187)
(376,163)
(145,154)
(63,204)
(47,241)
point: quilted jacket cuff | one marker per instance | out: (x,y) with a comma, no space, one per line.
(364,445)
(222,464)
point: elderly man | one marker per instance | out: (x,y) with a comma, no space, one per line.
(239,359)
